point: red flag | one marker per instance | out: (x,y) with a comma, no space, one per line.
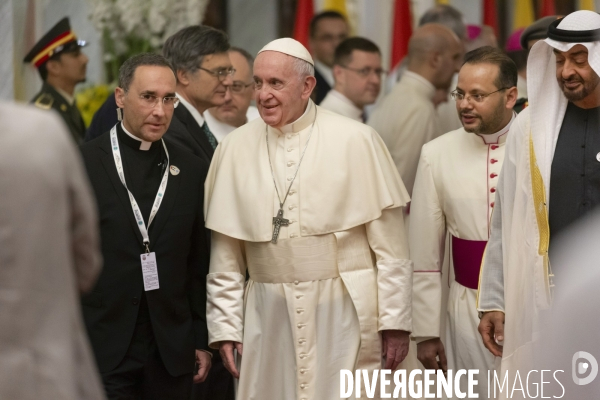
(547,8)
(489,15)
(304,13)
(402,31)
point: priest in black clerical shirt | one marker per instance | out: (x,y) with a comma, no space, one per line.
(146,316)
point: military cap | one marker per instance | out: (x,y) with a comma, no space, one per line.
(537,30)
(57,40)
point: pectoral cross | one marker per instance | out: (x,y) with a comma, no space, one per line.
(278,222)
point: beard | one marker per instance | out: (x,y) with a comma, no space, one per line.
(587,87)
(488,125)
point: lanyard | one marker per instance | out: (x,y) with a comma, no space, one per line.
(134,205)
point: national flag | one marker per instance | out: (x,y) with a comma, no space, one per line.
(523,15)
(547,8)
(401,31)
(304,13)
(336,5)
(490,17)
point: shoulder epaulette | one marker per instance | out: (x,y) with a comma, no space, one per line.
(44,101)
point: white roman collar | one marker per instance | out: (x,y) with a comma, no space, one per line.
(299,124)
(144,145)
(498,137)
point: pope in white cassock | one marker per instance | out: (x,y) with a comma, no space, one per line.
(454,192)
(309,204)
(549,180)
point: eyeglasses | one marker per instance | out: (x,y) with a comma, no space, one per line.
(238,86)
(150,100)
(365,72)
(221,73)
(478,98)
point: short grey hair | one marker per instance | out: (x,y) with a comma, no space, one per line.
(303,68)
(448,16)
(246,55)
(127,70)
(186,48)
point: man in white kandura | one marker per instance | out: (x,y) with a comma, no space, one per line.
(454,191)
(301,199)
(549,180)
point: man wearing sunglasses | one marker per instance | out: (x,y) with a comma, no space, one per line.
(236,110)
(357,72)
(454,192)
(199,55)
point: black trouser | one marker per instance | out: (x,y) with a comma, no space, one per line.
(141,375)
(218,385)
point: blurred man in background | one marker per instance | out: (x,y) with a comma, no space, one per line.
(357,71)
(200,56)
(327,30)
(236,110)
(454,20)
(62,65)
(49,254)
(406,119)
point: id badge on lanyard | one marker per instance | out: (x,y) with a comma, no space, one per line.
(148,259)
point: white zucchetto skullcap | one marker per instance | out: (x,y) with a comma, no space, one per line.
(290,47)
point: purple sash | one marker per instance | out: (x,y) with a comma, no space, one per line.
(467,255)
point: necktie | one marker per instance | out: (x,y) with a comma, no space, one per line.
(211,138)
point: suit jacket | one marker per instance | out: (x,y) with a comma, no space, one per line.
(48,98)
(49,249)
(104,119)
(322,87)
(185,132)
(177,235)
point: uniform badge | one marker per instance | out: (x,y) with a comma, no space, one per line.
(63,107)
(44,101)
(174,170)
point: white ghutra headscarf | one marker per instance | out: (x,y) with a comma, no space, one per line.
(547,103)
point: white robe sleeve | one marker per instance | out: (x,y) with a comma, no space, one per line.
(427,240)
(225,290)
(387,239)
(490,296)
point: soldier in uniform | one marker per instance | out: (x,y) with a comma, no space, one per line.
(62,65)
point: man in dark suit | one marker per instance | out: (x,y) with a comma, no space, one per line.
(199,55)
(327,30)
(146,316)
(62,65)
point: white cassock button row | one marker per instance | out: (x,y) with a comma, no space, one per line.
(289,136)
(296,283)
(290,149)
(293,235)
